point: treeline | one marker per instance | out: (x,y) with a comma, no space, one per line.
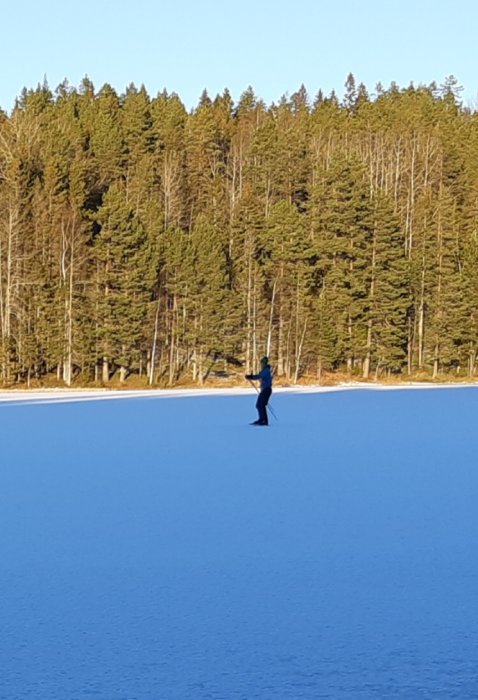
(332,235)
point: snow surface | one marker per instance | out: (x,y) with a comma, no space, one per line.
(158,548)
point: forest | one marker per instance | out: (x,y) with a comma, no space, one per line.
(143,241)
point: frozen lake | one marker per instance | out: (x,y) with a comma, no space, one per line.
(160,548)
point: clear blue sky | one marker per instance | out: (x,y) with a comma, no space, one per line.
(273,45)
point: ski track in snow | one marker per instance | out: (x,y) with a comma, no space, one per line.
(165,550)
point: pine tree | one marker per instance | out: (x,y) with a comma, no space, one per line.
(176,263)
(123,284)
(342,222)
(212,327)
(388,294)
(107,140)
(286,263)
(169,158)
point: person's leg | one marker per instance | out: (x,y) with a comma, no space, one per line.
(266,394)
(261,406)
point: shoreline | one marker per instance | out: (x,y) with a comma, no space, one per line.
(68,395)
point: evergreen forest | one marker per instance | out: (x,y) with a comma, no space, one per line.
(140,239)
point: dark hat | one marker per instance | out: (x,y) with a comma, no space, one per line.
(265,361)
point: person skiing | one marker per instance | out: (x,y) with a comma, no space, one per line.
(265,377)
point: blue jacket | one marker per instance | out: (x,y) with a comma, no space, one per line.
(265,375)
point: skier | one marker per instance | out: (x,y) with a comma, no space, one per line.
(265,376)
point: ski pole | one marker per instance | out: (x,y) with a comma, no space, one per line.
(268,405)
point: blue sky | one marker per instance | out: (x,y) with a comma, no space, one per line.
(272,45)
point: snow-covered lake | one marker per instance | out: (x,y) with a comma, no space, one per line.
(159,548)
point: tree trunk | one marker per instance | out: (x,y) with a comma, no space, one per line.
(105,371)
(271,318)
(153,349)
